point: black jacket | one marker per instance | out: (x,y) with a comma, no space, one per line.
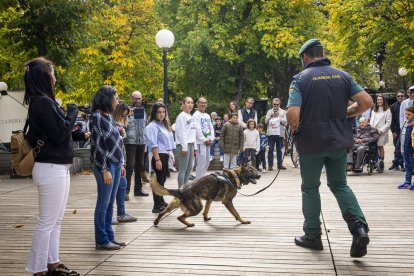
(395,121)
(48,120)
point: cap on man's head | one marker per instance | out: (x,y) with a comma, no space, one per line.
(411,88)
(213,113)
(309,44)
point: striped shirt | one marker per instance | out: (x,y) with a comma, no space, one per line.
(106,142)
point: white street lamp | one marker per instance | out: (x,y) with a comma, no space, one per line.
(3,86)
(402,72)
(165,39)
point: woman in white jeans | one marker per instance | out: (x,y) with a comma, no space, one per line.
(50,123)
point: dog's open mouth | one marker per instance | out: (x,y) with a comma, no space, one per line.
(253,180)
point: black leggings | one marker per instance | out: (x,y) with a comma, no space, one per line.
(161,177)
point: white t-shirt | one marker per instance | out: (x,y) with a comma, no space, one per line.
(274,126)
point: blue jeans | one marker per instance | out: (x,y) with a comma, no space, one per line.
(272,141)
(215,142)
(105,203)
(409,165)
(120,196)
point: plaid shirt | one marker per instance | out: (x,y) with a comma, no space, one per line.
(106,142)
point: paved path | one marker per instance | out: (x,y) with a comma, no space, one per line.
(221,246)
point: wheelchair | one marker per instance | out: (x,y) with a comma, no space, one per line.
(370,159)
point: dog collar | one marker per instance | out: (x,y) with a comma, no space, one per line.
(234,175)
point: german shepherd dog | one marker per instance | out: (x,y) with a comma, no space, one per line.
(213,187)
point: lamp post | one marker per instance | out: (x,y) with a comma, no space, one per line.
(165,39)
(379,58)
(381,84)
(402,72)
(3,88)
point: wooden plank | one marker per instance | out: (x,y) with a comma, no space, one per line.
(221,246)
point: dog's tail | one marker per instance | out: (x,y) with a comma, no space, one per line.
(160,190)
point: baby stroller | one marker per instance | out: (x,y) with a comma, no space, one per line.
(370,159)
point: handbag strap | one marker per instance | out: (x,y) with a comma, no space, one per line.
(40,142)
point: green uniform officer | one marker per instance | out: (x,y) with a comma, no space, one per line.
(318,112)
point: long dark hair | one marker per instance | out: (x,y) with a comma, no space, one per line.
(102,100)
(153,116)
(119,111)
(38,79)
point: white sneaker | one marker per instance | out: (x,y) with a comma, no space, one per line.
(263,170)
(221,158)
(211,158)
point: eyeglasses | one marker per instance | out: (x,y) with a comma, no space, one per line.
(276,104)
(136,98)
(400,96)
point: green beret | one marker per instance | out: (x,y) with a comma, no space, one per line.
(309,44)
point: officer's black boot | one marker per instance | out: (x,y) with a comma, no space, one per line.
(315,243)
(360,241)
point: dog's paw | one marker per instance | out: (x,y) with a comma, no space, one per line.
(156,222)
(190,225)
(207,218)
(245,221)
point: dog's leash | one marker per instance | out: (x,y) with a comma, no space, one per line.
(274,179)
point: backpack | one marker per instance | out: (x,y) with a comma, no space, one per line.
(23,154)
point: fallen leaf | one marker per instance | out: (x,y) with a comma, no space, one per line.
(18,225)
(75,211)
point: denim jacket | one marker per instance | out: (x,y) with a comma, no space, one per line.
(136,128)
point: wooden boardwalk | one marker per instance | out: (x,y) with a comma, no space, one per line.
(221,246)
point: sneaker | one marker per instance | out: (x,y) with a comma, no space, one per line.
(281,167)
(264,170)
(221,158)
(108,246)
(62,270)
(412,187)
(126,218)
(127,197)
(158,209)
(211,158)
(114,221)
(393,168)
(140,192)
(118,243)
(405,185)
(270,169)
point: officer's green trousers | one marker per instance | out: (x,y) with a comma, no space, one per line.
(335,165)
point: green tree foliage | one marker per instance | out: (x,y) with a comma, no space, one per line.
(50,28)
(358,27)
(121,51)
(231,49)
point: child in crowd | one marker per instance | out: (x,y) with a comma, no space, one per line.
(213,116)
(251,141)
(225,118)
(232,141)
(217,131)
(407,147)
(261,156)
